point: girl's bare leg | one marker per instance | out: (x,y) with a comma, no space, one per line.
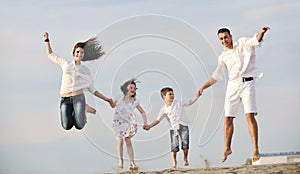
(133,166)
(120,153)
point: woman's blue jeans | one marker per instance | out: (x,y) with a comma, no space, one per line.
(72,111)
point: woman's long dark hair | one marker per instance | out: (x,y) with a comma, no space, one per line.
(92,49)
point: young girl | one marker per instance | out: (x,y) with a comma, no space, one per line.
(124,123)
(76,77)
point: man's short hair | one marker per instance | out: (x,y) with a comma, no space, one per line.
(223,30)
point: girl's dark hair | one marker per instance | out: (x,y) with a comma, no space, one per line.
(92,49)
(125,85)
(223,30)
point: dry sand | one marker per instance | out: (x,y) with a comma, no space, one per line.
(287,168)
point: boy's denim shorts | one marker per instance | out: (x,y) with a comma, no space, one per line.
(183,133)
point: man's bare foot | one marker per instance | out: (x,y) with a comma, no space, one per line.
(225,155)
(186,162)
(120,164)
(90,110)
(255,157)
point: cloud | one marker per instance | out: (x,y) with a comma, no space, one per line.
(282,11)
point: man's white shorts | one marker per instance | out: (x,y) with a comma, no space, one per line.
(237,93)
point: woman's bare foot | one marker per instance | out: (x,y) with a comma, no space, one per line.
(225,155)
(89,109)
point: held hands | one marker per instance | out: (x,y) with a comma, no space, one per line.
(200,91)
(111,103)
(146,127)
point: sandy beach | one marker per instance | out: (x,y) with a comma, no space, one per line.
(287,168)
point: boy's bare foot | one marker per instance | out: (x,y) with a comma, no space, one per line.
(186,162)
(120,164)
(174,166)
(225,155)
(90,110)
(255,157)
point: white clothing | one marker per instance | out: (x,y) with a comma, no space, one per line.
(175,114)
(239,63)
(245,94)
(74,77)
(124,122)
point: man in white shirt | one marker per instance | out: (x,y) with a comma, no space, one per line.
(238,58)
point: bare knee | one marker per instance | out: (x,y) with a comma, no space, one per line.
(228,120)
(250,117)
(128,142)
(121,141)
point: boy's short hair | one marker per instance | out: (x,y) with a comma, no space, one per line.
(164,91)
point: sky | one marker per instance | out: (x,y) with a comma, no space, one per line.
(161,43)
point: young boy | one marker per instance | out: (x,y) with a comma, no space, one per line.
(175,114)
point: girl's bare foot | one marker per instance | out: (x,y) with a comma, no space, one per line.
(120,163)
(133,166)
(225,155)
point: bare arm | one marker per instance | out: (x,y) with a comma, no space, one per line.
(101,96)
(154,123)
(47,43)
(261,34)
(192,101)
(209,83)
(141,110)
